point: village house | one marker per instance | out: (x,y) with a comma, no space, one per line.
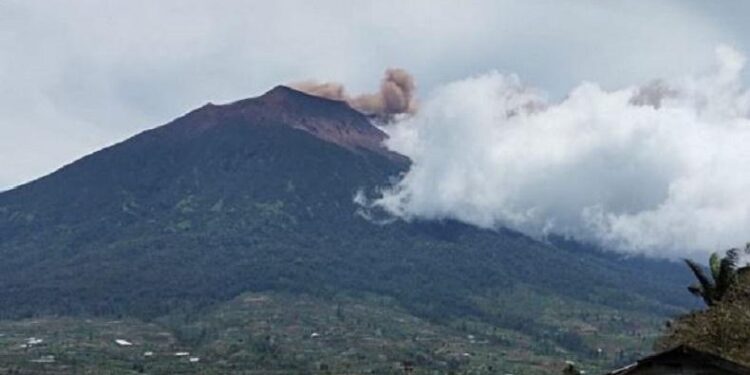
(683,360)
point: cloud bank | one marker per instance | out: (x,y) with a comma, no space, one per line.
(658,169)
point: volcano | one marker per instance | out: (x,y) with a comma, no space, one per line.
(258,196)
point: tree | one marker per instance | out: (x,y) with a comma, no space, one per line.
(724,275)
(724,327)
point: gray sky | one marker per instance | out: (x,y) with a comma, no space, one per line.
(77,76)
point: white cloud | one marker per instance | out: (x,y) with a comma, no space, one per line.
(657,169)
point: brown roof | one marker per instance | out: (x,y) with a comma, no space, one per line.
(682,356)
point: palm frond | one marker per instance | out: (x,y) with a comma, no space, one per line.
(714,264)
(705,283)
(696,290)
(727,275)
(733,256)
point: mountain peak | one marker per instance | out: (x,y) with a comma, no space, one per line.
(333,121)
(289,100)
(286,94)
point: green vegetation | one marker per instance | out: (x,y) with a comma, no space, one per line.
(293,333)
(723,327)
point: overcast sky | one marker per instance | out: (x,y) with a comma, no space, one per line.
(78,75)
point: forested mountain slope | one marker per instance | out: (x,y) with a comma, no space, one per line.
(257,196)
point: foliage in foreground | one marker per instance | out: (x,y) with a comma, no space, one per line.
(724,327)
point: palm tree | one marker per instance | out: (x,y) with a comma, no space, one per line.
(724,275)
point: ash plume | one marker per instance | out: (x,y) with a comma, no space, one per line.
(395,98)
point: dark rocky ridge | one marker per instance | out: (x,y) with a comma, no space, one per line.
(330,120)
